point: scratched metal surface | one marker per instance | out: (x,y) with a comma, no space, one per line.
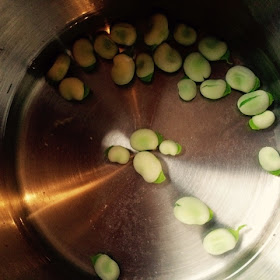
(61,201)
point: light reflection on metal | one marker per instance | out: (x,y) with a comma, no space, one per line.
(115,137)
(30,197)
(8,223)
(2,204)
(135,109)
(73,193)
(107,28)
(83,7)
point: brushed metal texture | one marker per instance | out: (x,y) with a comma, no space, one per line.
(61,201)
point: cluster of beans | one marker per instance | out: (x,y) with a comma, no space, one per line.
(188,210)
(197,68)
(145,163)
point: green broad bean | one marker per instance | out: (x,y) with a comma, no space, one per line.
(169,147)
(83,53)
(254,103)
(149,167)
(212,48)
(118,154)
(144,67)
(262,121)
(104,46)
(196,67)
(167,58)
(242,78)
(73,88)
(192,211)
(123,69)
(269,160)
(214,89)
(59,69)
(221,240)
(158,31)
(105,267)
(184,35)
(144,139)
(123,34)
(187,89)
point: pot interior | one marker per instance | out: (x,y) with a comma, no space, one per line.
(72,203)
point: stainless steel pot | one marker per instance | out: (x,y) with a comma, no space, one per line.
(61,202)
